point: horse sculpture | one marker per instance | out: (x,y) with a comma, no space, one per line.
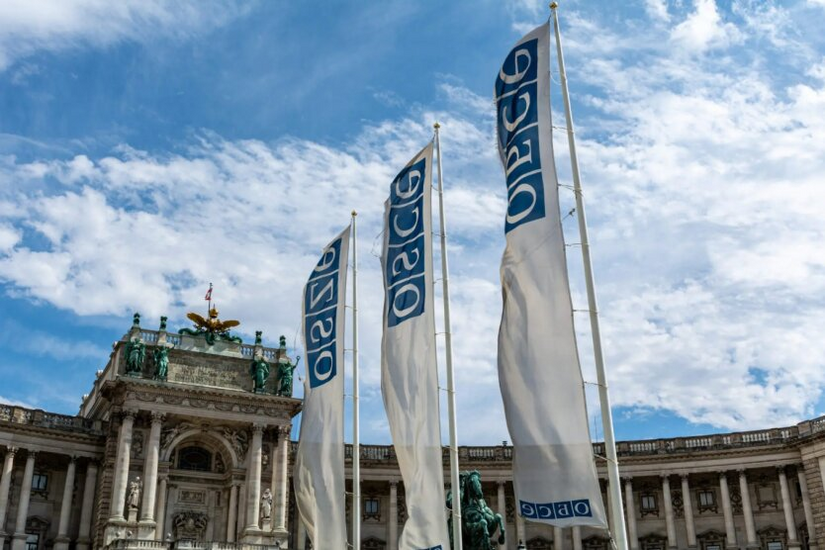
(478,522)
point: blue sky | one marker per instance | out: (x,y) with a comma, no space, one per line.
(151,147)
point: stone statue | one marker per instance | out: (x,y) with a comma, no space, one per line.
(162,323)
(266,504)
(259,370)
(134,494)
(285,370)
(135,354)
(479,523)
(161,356)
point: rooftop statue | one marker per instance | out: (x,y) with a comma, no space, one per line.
(259,371)
(211,328)
(135,354)
(161,356)
(478,522)
(285,370)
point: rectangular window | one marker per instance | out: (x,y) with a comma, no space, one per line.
(775,545)
(706,499)
(32,541)
(372,508)
(713,547)
(648,503)
(40,482)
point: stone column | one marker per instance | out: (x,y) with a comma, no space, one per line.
(393,524)
(558,538)
(5,483)
(577,537)
(121,476)
(232,515)
(724,493)
(160,509)
(19,541)
(630,504)
(150,478)
(280,478)
(688,507)
(787,509)
(253,480)
(671,527)
(62,540)
(501,502)
(806,504)
(747,510)
(83,540)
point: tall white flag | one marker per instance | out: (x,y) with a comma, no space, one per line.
(409,377)
(554,475)
(320,488)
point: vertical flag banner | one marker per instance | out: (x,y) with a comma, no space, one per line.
(318,476)
(409,376)
(541,383)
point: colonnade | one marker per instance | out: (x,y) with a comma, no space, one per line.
(725,478)
(154,493)
(751,539)
(62,541)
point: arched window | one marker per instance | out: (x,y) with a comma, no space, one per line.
(195,458)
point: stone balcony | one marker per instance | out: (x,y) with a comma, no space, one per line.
(42,419)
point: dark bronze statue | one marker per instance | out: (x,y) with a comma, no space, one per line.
(478,522)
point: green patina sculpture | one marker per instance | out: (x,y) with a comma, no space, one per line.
(478,522)
(259,370)
(136,320)
(285,370)
(135,354)
(162,323)
(211,328)
(161,356)
(258,339)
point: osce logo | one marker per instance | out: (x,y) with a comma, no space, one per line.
(518,134)
(556,510)
(321,315)
(404,265)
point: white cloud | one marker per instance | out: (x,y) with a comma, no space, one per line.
(703,181)
(657,10)
(53,25)
(704,28)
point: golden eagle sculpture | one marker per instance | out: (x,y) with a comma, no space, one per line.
(211,328)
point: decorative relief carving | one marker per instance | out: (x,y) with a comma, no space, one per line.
(735,499)
(137,444)
(678,503)
(192,497)
(190,525)
(169,434)
(239,439)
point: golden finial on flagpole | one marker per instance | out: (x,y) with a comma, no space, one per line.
(554,5)
(436,125)
(354,213)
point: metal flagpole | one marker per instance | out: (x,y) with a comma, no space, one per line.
(356,443)
(616,511)
(448,344)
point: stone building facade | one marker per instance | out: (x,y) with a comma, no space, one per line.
(199,459)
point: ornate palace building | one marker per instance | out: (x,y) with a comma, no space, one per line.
(183,442)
